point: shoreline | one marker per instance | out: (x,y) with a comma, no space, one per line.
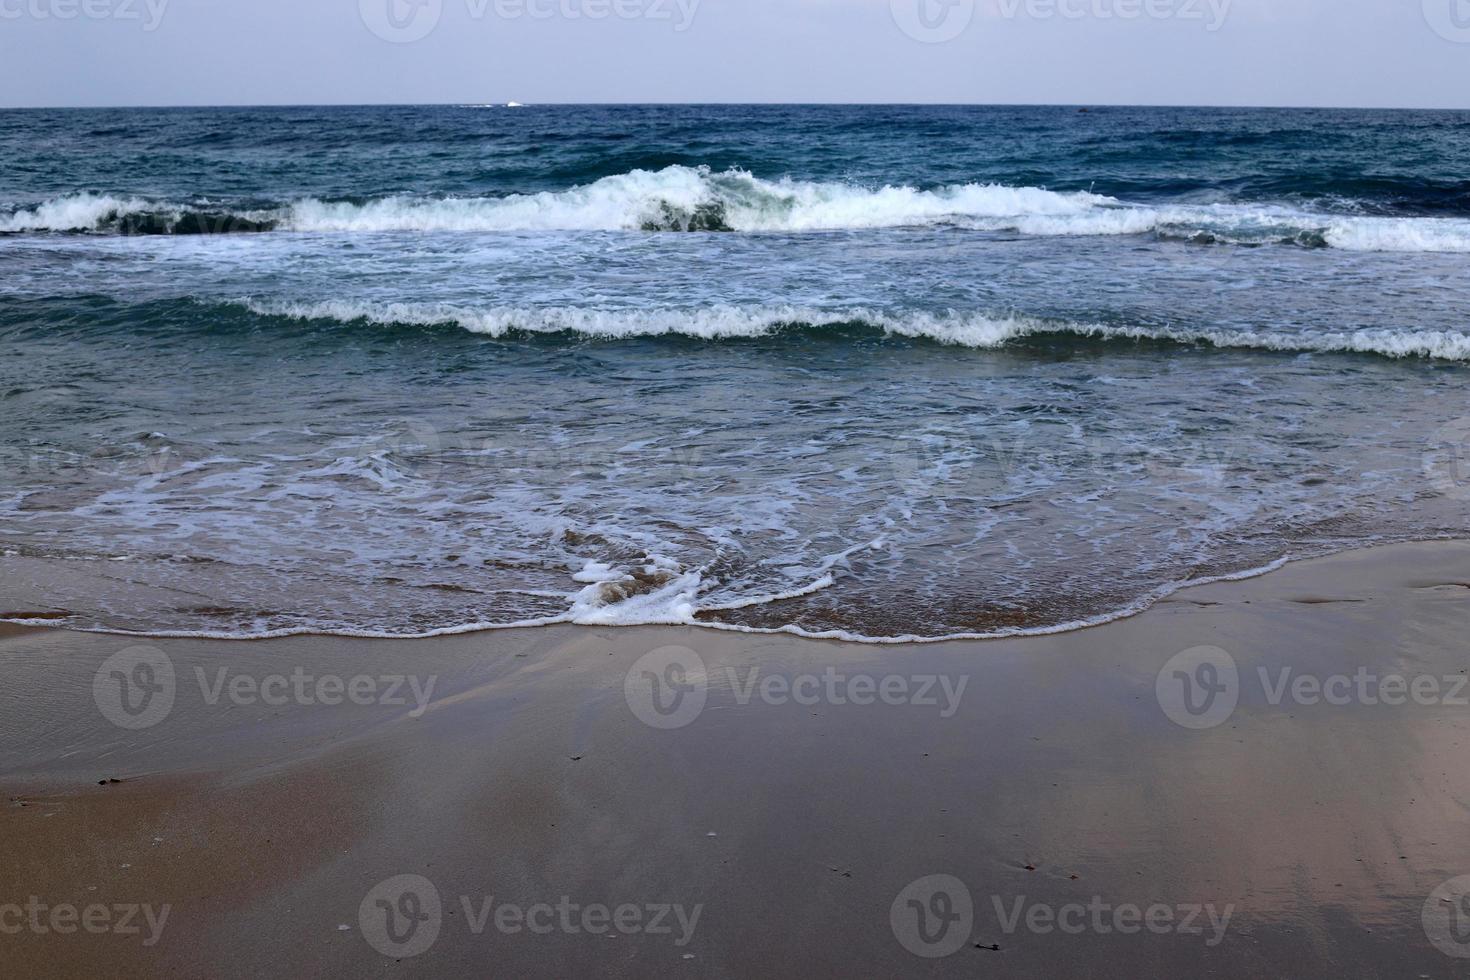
(1137,607)
(792,802)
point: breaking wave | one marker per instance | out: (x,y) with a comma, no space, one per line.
(104,213)
(680,198)
(974,330)
(693,199)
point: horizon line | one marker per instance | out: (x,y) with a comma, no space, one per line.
(728,104)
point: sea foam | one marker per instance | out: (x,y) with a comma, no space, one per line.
(680,198)
(705,323)
(688,198)
(974,330)
(74,212)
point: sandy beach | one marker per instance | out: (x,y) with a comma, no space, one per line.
(670,801)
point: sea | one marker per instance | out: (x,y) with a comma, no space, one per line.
(877,373)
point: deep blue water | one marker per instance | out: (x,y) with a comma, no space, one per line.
(1390,162)
(887,371)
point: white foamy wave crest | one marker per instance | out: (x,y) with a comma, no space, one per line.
(75,212)
(706,323)
(1441,344)
(975,330)
(686,197)
(682,198)
(1247,225)
(1399,235)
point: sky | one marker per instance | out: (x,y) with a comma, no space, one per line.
(1381,53)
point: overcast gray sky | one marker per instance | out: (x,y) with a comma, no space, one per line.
(1214,52)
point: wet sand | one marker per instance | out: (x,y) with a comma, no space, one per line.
(768,832)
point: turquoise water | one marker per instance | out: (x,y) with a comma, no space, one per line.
(880,372)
